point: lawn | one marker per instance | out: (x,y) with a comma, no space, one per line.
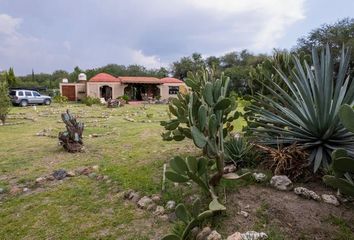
(131,154)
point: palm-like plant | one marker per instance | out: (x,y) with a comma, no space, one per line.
(308,113)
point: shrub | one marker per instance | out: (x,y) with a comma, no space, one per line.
(89,101)
(60,99)
(308,114)
(290,161)
(4,101)
(126,98)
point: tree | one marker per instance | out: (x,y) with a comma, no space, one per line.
(4,101)
(335,35)
(193,64)
(10,77)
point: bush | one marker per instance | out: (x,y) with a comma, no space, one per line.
(4,101)
(89,101)
(126,98)
(60,99)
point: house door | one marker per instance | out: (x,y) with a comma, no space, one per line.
(69,92)
(106,92)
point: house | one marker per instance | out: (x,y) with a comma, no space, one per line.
(106,86)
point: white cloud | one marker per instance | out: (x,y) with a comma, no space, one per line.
(270,18)
(139,58)
(9,25)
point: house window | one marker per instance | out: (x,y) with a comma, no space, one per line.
(173,90)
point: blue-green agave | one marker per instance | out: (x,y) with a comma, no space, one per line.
(308,112)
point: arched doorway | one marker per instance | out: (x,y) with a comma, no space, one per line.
(106,92)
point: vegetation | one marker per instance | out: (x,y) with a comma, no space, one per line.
(71,139)
(89,101)
(239,152)
(308,114)
(189,220)
(343,164)
(4,101)
(60,99)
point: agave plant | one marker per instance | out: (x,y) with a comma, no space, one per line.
(308,113)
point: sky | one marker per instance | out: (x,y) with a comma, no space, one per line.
(47,35)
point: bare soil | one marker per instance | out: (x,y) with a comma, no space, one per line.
(292,216)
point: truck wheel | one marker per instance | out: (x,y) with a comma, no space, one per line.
(24,103)
(47,102)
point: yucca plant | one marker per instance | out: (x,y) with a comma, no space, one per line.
(308,114)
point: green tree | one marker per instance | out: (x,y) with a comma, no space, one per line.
(10,77)
(4,101)
(335,35)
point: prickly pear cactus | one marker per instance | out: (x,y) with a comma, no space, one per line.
(205,116)
(71,139)
(343,163)
(189,220)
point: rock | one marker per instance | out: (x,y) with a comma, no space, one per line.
(2,190)
(306,193)
(330,199)
(235,236)
(281,182)
(105,178)
(59,174)
(243,213)
(202,235)
(25,189)
(230,168)
(172,217)
(170,205)
(134,197)
(194,232)
(151,207)
(92,175)
(40,180)
(15,190)
(252,235)
(164,217)
(156,198)
(50,178)
(144,202)
(99,177)
(85,171)
(160,210)
(127,193)
(214,235)
(71,174)
(259,177)
(95,167)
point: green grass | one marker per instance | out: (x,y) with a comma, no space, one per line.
(132,155)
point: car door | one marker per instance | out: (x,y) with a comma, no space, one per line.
(37,98)
(29,97)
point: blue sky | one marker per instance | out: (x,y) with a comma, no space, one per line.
(46,35)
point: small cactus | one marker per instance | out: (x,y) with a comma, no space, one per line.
(189,219)
(71,139)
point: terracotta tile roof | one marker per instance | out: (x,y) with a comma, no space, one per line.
(104,77)
(170,80)
(129,79)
